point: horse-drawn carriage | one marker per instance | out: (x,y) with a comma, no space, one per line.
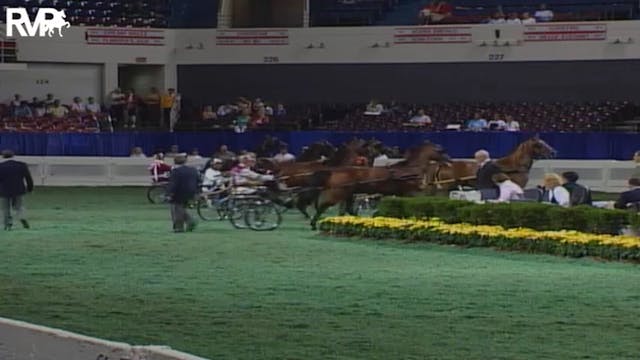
(327,176)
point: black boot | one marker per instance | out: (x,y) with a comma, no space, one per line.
(25,224)
(7,227)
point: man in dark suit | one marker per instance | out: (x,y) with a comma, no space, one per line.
(15,182)
(631,196)
(484,176)
(182,188)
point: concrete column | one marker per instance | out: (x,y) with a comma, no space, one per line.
(306,14)
(171,75)
(109,79)
(225,14)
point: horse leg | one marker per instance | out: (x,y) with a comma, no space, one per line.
(324,201)
(348,203)
(301,205)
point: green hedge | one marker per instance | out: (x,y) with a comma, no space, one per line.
(510,215)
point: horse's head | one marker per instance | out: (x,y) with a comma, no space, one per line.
(539,149)
(317,151)
(426,153)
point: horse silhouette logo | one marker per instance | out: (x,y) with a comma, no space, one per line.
(46,23)
(58,22)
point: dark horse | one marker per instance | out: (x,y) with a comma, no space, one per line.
(516,165)
(298,174)
(333,186)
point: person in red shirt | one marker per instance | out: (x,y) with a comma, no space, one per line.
(159,169)
(435,12)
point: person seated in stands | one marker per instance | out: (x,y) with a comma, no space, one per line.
(511,125)
(514,19)
(508,189)
(78,107)
(137,152)
(527,19)
(421,118)
(629,197)
(554,192)
(58,110)
(92,107)
(159,169)
(435,12)
(543,14)
(194,155)
(484,176)
(15,102)
(498,18)
(284,155)
(213,178)
(242,120)
(374,108)
(224,153)
(280,111)
(174,151)
(49,101)
(478,123)
(23,110)
(208,114)
(38,109)
(578,194)
(497,123)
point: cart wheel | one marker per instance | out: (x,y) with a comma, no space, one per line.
(235,213)
(262,216)
(156,194)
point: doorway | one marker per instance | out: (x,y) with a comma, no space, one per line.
(141,79)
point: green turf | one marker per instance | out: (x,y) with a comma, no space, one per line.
(102,262)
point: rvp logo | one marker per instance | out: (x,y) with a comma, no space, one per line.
(47,21)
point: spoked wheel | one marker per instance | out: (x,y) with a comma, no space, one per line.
(235,212)
(262,216)
(211,209)
(156,193)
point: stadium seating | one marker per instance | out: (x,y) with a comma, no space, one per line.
(122,13)
(404,12)
(559,116)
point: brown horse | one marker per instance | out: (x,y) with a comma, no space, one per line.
(516,165)
(333,186)
(298,174)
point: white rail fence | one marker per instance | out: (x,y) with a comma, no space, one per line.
(600,175)
(24,341)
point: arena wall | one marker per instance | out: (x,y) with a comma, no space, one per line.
(23,341)
(476,62)
(600,175)
(420,83)
(64,80)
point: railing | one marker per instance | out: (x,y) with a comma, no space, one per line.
(600,175)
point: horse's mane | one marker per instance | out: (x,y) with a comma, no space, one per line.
(340,156)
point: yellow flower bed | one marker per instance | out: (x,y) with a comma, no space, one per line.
(567,242)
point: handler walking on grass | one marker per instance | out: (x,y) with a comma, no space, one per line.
(13,176)
(183,187)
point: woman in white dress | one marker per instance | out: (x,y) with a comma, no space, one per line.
(555,193)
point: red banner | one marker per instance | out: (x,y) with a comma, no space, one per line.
(136,37)
(252,37)
(433,35)
(565,32)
